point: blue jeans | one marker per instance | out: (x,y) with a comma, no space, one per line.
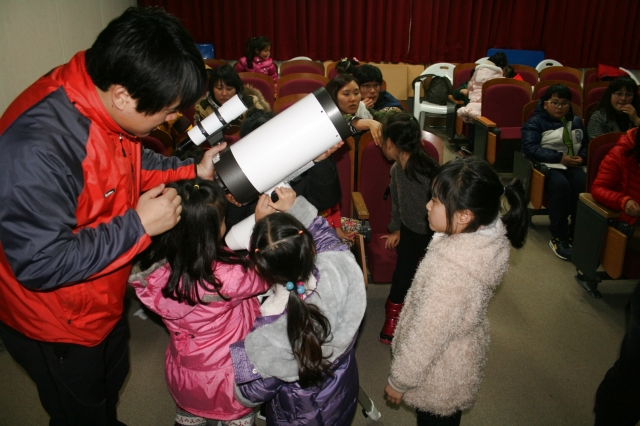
(562,188)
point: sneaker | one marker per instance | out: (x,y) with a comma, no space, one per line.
(561,248)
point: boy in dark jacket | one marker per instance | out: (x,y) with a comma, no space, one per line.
(556,137)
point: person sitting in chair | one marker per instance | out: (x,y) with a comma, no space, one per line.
(556,137)
(369,78)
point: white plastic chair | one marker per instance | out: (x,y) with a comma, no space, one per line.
(481,60)
(631,74)
(547,63)
(421,109)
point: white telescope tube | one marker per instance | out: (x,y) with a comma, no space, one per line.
(228,112)
(281,146)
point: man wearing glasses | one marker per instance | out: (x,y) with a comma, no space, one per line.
(555,137)
(369,78)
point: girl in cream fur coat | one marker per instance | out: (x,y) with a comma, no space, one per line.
(441,342)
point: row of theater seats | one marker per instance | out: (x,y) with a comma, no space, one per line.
(599,247)
(293,66)
(506,105)
(301,76)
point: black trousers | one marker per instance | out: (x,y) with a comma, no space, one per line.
(410,249)
(426,418)
(77,385)
(618,396)
(563,188)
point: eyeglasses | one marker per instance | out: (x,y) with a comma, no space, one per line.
(375,86)
(559,104)
(623,94)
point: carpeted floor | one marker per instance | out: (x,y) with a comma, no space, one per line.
(551,345)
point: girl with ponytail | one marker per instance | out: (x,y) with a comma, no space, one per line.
(257,58)
(441,342)
(300,356)
(410,188)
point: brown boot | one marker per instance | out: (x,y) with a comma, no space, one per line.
(392,312)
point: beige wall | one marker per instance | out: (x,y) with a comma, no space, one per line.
(38,35)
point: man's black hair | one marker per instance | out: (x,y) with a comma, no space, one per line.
(367,73)
(150,54)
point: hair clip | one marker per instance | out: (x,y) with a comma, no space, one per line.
(300,288)
(300,232)
(196,186)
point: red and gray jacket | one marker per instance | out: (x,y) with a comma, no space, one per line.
(71,178)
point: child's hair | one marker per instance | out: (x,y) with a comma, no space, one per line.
(193,246)
(255,43)
(508,71)
(404,131)
(471,184)
(283,251)
(561,90)
(499,59)
(255,118)
(227,75)
(347,65)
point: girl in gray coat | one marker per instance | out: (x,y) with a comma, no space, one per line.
(440,346)
(300,357)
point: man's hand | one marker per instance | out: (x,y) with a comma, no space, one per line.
(328,152)
(632,208)
(393,240)
(393,396)
(368,102)
(159,209)
(206,168)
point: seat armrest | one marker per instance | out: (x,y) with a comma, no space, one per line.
(484,121)
(416,99)
(359,206)
(587,198)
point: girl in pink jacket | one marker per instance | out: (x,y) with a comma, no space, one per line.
(205,296)
(258,59)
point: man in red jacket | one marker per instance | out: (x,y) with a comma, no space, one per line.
(72,217)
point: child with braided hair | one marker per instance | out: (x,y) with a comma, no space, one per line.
(300,357)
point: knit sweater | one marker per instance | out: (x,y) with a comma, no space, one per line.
(440,345)
(600,124)
(409,201)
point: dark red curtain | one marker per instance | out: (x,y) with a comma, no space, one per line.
(578,33)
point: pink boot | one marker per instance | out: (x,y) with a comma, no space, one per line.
(392,312)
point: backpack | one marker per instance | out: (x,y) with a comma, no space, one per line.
(438,91)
